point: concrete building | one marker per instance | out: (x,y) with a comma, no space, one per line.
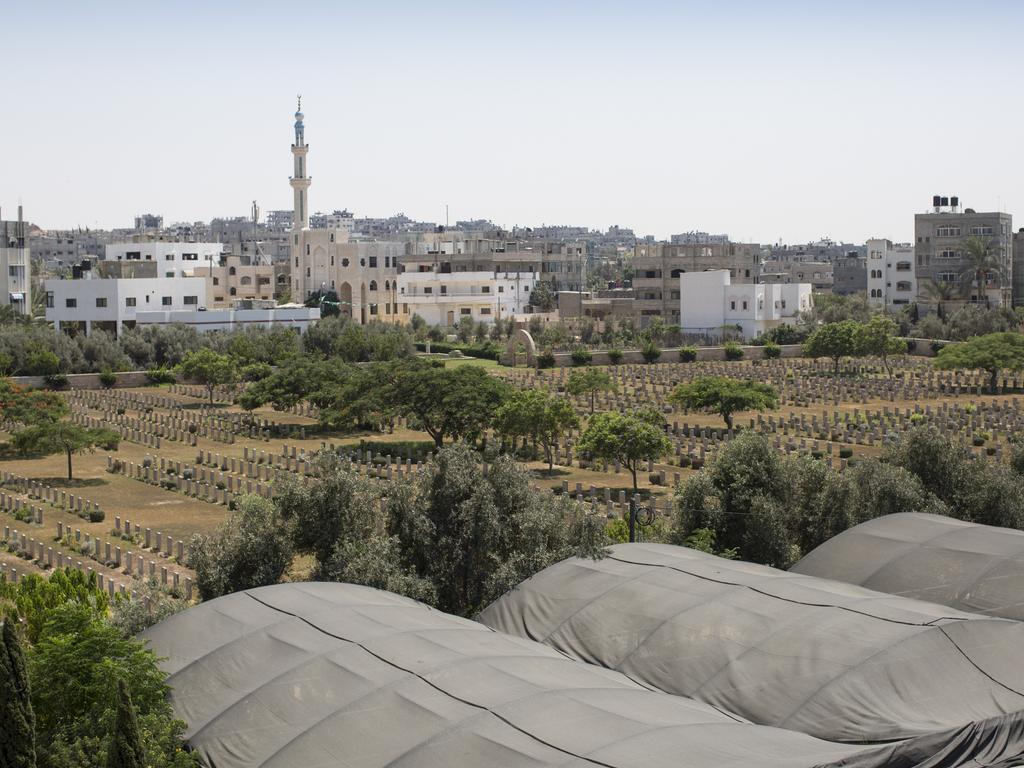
(241,314)
(342,220)
(87,302)
(710,300)
(850,274)
(658,266)
(891,277)
(445,297)
(172,259)
(15,265)
(797,269)
(939,250)
(237,277)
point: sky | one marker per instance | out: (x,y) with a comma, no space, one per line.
(768,121)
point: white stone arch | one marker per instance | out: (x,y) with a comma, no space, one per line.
(520,336)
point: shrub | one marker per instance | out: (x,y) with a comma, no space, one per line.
(772,350)
(654,478)
(733,351)
(650,351)
(687,354)
(845,453)
(546,359)
(256,371)
(96,515)
(615,356)
(978,441)
(161,376)
(581,356)
(56,380)
(108,378)
(936,347)
(916,418)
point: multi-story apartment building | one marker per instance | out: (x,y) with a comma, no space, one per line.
(790,268)
(445,297)
(710,302)
(850,274)
(657,267)
(891,276)
(1018,268)
(337,220)
(172,259)
(940,250)
(237,277)
(15,265)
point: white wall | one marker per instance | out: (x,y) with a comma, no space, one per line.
(174,257)
(487,295)
(146,293)
(296,318)
(708,300)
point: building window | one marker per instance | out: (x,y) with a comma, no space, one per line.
(947,231)
(949,254)
(190,257)
(980,231)
(168,274)
(70,303)
(169,257)
(101,302)
(444,290)
(744,305)
(903,285)
(903,266)
(191,300)
(485,310)
(732,305)
(49,300)
(232,291)
(165,300)
(501,289)
(307,249)
(133,256)
(465,311)
(428,290)
(344,262)
(946,277)
(246,280)
(373,285)
(373,309)
(486,289)
(373,261)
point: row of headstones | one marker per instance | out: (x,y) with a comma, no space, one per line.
(102,399)
(255,463)
(220,392)
(49,557)
(145,438)
(34,489)
(204,490)
(13,504)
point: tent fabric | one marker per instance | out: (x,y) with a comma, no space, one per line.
(319,675)
(971,567)
(832,660)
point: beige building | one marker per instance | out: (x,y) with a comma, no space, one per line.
(657,267)
(236,277)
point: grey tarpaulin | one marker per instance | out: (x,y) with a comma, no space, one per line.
(339,676)
(829,659)
(972,567)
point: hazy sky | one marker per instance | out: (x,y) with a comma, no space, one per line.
(765,120)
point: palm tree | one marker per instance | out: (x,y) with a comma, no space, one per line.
(981,260)
(941,291)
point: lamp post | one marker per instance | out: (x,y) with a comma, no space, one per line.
(638,516)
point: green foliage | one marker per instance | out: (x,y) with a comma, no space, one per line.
(209,368)
(108,378)
(992,353)
(733,351)
(161,376)
(546,359)
(589,382)
(536,415)
(650,351)
(834,340)
(629,438)
(581,356)
(772,350)
(542,297)
(615,355)
(42,362)
(703,540)
(17,720)
(377,562)
(687,354)
(724,396)
(249,549)
(878,337)
(49,437)
(150,605)
(34,597)
(125,750)
(783,334)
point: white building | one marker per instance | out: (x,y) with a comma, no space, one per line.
(444,298)
(244,314)
(15,266)
(172,259)
(892,275)
(708,301)
(113,303)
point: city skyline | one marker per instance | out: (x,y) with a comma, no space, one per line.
(785,123)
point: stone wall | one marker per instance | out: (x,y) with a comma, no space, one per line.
(86,380)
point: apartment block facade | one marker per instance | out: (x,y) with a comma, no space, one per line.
(15,266)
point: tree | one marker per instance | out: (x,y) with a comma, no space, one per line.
(303,378)
(878,337)
(448,402)
(35,597)
(981,262)
(628,438)
(835,340)
(17,721)
(125,750)
(48,437)
(533,413)
(249,549)
(209,368)
(542,298)
(942,466)
(589,381)
(941,292)
(725,396)
(991,353)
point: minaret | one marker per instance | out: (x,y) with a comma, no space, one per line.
(300,182)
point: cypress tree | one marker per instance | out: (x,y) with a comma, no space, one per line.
(17,722)
(125,749)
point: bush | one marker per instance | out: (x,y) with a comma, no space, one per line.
(256,371)
(978,441)
(687,354)
(650,351)
(733,351)
(96,515)
(161,376)
(546,359)
(581,356)
(772,351)
(108,378)
(845,453)
(56,380)
(654,478)
(936,347)
(615,356)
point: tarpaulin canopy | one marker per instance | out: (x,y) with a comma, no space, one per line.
(829,659)
(334,675)
(977,568)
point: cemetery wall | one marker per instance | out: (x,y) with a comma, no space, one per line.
(86,380)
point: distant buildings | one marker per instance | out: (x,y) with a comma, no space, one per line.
(710,301)
(941,256)
(242,313)
(891,276)
(15,265)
